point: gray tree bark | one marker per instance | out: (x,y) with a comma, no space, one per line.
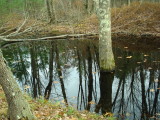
(106,56)
(18,107)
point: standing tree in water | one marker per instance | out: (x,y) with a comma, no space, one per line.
(106,57)
(18,107)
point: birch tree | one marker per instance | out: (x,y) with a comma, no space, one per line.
(106,57)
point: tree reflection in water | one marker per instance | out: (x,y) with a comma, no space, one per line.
(68,71)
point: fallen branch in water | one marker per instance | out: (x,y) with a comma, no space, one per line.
(67,36)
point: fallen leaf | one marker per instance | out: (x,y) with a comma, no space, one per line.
(128,114)
(156,80)
(91,102)
(74,97)
(84,115)
(145,60)
(61,77)
(109,114)
(58,69)
(26,87)
(73,119)
(128,57)
(149,68)
(55,82)
(152,90)
(146,55)
(94,72)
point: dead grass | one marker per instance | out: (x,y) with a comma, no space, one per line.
(137,18)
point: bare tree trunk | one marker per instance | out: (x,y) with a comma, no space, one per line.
(105,43)
(18,107)
(89,5)
(49,5)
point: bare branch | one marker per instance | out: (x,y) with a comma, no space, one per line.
(17,31)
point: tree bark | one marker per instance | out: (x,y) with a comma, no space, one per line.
(105,43)
(49,5)
(18,107)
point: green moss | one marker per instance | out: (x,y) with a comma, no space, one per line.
(107,65)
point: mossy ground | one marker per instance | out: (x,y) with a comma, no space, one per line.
(45,110)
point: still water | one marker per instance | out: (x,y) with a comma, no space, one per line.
(68,72)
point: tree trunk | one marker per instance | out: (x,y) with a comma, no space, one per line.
(105,43)
(89,6)
(18,107)
(49,5)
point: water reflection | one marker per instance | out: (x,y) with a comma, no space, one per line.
(68,71)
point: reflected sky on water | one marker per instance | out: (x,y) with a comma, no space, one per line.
(68,71)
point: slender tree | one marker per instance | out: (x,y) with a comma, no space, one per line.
(18,107)
(50,11)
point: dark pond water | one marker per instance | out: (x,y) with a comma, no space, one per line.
(68,71)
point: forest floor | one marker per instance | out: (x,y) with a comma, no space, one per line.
(45,110)
(138,19)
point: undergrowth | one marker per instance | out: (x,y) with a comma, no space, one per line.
(46,110)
